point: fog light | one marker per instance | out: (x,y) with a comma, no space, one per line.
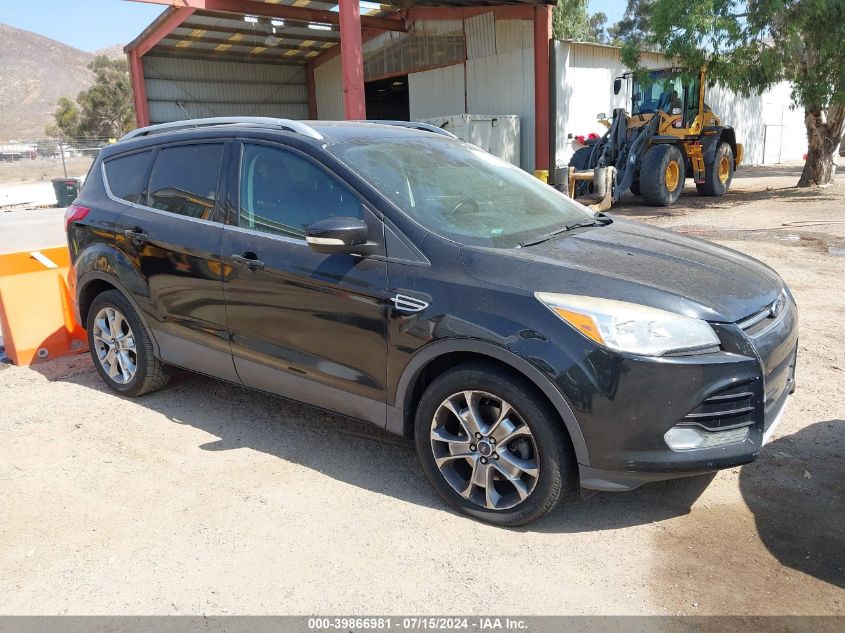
(687,438)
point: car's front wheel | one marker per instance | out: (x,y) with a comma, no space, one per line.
(491,445)
(122,348)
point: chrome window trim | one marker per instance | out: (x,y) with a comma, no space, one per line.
(138,205)
(275,236)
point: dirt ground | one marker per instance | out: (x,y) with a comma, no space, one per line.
(207,498)
(43,169)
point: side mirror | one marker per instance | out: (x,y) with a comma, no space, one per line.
(601,116)
(337,236)
(617,85)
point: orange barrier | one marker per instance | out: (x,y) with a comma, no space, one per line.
(36,314)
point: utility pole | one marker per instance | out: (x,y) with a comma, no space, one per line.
(62,154)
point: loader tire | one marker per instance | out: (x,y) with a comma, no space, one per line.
(662,175)
(580,159)
(719,173)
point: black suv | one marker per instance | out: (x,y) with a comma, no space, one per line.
(409,279)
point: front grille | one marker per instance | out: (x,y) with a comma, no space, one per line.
(696,351)
(763,320)
(729,408)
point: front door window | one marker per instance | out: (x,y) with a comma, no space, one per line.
(282,193)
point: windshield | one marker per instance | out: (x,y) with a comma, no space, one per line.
(459,191)
(664,91)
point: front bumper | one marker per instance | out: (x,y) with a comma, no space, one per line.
(625,406)
(620,480)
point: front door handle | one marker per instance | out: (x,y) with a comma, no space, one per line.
(250,260)
(136,236)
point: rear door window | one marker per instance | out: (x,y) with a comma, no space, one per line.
(127,175)
(184,180)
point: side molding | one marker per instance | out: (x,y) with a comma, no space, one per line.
(395,418)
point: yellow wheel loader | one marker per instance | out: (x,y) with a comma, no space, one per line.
(670,135)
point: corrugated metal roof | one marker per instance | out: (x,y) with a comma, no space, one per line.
(218,35)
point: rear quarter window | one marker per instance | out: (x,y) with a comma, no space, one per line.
(127,175)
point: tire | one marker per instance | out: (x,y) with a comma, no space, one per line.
(580,159)
(111,311)
(546,447)
(635,187)
(719,174)
(655,182)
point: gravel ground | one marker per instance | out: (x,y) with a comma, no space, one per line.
(207,498)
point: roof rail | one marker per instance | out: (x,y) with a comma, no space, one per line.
(297,127)
(415,125)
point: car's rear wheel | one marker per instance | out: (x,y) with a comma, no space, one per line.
(121,347)
(491,445)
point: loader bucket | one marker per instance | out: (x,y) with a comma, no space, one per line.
(36,313)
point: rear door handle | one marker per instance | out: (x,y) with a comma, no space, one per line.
(250,260)
(136,235)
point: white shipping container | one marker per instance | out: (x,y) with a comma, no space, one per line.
(498,134)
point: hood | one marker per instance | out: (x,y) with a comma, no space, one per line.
(631,261)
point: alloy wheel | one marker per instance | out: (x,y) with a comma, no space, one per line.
(114,344)
(485,450)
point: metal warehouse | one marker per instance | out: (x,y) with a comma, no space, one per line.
(488,69)
(316,59)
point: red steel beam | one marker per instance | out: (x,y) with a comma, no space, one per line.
(139,88)
(278,11)
(504,12)
(542,89)
(352,60)
(159,29)
(334,51)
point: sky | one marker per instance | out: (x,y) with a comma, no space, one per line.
(90,25)
(613,9)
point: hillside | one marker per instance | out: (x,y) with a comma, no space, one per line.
(34,72)
(112,52)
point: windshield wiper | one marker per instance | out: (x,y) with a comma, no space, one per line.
(599,220)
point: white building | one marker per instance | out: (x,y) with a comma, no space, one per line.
(771,130)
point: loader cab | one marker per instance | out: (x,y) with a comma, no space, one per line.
(671,91)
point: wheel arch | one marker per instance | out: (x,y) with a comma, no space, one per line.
(713,137)
(440,356)
(94,283)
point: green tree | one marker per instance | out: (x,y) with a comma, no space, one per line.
(597,25)
(633,28)
(751,45)
(67,119)
(104,110)
(571,21)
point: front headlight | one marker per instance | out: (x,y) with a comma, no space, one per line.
(630,327)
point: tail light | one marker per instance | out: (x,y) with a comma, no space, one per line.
(75,213)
